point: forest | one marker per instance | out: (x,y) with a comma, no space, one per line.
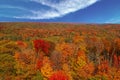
(59,51)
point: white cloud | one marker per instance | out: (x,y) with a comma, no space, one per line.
(113,20)
(59,9)
(40,15)
(14,7)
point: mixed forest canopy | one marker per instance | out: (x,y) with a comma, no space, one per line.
(59,51)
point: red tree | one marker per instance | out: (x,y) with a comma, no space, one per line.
(41,45)
(59,75)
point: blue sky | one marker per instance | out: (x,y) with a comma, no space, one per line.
(79,11)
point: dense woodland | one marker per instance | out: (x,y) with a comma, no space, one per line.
(59,51)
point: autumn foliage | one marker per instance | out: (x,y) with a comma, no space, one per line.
(41,45)
(59,51)
(59,75)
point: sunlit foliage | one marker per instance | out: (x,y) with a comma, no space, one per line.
(59,51)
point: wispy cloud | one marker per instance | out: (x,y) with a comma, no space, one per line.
(40,15)
(57,9)
(14,7)
(113,20)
